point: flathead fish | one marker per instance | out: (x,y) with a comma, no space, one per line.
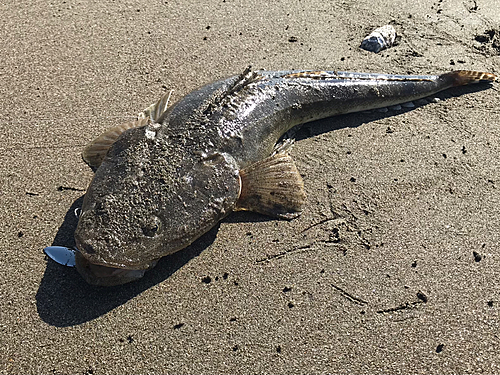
(164,180)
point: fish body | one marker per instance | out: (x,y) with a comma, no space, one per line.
(169,177)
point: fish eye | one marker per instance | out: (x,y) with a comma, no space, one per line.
(152,228)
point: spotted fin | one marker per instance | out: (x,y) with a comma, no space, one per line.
(95,152)
(273,187)
(466,77)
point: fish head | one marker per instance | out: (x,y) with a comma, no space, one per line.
(151,197)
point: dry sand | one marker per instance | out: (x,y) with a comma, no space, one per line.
(392,268)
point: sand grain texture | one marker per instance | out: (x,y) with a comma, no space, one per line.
(392,268)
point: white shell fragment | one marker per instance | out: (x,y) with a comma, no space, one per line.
(61,254)
(379,39)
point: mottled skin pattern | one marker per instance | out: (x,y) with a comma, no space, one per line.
(163,185)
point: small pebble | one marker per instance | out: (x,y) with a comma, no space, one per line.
(422,297)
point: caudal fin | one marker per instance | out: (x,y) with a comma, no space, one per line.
(466,77)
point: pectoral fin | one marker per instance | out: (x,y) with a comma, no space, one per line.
(95,152)
(154,111)
(273,187)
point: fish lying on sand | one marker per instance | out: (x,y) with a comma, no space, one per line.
(167,178)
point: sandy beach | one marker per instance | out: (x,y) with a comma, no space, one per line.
(394,265)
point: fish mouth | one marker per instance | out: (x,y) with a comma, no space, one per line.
(100,275)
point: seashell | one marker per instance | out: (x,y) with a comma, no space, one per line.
(379,39)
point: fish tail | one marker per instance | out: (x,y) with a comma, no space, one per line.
(466,77)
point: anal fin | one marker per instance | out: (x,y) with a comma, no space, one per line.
(95,152)
(273,187)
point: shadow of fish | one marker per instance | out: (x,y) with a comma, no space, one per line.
(167,178)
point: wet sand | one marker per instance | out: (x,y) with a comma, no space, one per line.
(393,266)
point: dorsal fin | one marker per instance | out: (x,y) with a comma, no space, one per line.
(231,93)
(95,152)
